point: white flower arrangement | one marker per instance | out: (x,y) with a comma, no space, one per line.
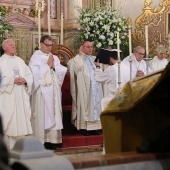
(100,26)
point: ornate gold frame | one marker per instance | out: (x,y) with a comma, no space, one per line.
(63,53)
(157,21)
(31,12)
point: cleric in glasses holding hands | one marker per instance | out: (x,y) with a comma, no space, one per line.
(139,65)
(46,107)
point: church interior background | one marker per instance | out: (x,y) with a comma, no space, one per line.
(59,19)
(32,18)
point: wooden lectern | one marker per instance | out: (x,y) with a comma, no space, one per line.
(140,111)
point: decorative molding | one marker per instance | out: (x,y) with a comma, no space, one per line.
(63,53)
(157,21)
(19,20)
(25,8)
(71,24)
(19,3)
(54,9)
(97,3)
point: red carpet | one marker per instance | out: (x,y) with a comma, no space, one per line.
(79,140)
(71,136)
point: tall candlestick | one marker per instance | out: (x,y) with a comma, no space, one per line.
(117,4)
(39,28)
(114,4)
(130,53)
(61,41)
(118,50)
(118,45)
(146,37)
(48,17)
(130,43)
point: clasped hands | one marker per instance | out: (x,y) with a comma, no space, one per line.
(50,61)
(139,73)
(19,81)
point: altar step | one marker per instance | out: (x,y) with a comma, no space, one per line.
(77,140)
(71,137)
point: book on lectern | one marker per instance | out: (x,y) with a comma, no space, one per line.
(103,55)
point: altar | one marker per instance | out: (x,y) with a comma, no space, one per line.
(140,111)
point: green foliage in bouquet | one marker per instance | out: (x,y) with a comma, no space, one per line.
(5,28)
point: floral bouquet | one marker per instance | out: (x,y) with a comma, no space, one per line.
(100,26)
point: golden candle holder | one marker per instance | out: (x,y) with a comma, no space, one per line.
(40,5)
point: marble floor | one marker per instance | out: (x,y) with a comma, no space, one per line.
(73,152)
(93,156)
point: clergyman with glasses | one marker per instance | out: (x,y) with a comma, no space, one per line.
(86,92)
(139,65)
(46,106)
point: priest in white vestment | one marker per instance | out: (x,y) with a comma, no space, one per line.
(15,90)
(159,61)
(139,66)
(109,77)
(86,92)
(46,96)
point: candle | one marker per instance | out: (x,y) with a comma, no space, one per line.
(61,41)
(49,25)
(39,28)
(118,45)
(130,43)
(117,4)
(146,37)
(114,4)
(48,17)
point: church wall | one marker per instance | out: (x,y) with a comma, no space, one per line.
(133,8)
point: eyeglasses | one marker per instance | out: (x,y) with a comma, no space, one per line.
(141,53)
(48,45)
